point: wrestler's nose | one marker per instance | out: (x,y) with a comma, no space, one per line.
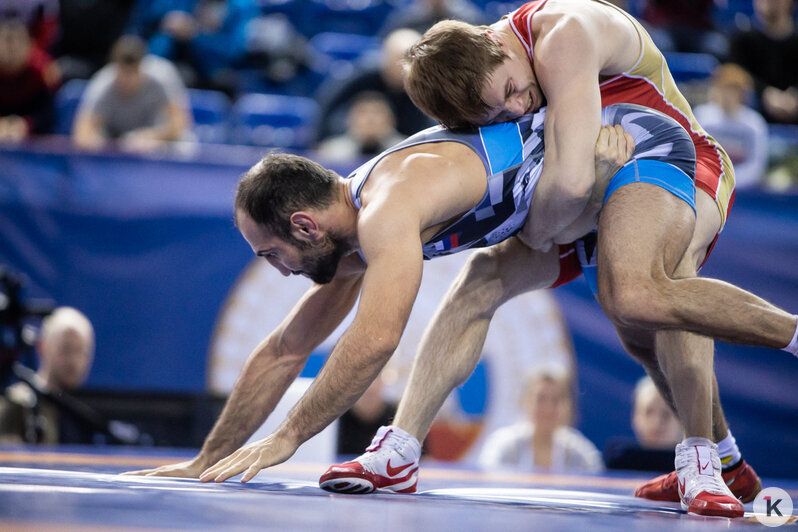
(518,104)
(279,265)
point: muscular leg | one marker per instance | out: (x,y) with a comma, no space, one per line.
(452,344)
(683,343)
(640,346)
(641,267)
(640,227)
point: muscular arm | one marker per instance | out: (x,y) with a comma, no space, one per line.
(567,66)
(276,362)
(392,249)
(389,239)
(271,367)
(614,147)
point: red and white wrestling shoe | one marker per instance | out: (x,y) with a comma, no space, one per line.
(743,482)
(390,462)
(701,486)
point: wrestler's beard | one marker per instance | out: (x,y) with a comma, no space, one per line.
(320,259)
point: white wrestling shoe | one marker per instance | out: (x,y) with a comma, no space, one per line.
(701,486)
(390,462)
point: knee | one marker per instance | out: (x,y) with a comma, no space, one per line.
(641,303)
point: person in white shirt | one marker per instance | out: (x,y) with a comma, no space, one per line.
(741,130)
(543,439)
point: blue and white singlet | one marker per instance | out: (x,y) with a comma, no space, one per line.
(512,154)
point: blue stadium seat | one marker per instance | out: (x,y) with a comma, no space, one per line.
(337,52)
(66,104)
(210,110)
(364,17)
(291,8)
(689,67)
(274,120)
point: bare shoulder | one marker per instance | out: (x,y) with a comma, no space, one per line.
(573,27)
(430,183)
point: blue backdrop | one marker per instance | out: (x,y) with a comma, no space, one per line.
(147,248)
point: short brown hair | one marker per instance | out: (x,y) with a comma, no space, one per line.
(281,184)
(128,50)
(446,70)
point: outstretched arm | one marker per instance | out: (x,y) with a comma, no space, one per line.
(270,369)
(567,66)
(391,245)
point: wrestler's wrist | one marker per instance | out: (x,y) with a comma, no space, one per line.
(290,434)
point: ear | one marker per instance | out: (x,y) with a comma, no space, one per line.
(494,36)
(304,227)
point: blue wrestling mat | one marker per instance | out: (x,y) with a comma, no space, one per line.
(73,489)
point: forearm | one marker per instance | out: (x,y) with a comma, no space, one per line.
(263,381)
(352,366)
(586,221)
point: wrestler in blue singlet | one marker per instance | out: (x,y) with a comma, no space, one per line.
(512,153)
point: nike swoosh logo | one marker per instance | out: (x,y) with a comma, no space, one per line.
(705,466)
(393,471)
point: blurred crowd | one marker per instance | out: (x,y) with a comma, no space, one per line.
(305,74)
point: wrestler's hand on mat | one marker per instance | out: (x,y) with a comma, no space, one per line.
(187,469)
(272,450)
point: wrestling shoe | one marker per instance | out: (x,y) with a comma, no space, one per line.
(701,486)
(743,482)
(390,462)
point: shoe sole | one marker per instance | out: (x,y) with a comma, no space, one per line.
(351,485)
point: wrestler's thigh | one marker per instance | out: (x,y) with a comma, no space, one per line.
(644,231)
(708,222)
(516,267)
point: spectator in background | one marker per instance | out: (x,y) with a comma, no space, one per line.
(28,81)
(542,440)
(385,77)
(281,55)
(206,39)
(769,52)
(657,431)
(654,423)
(130,106)
(371,129)
(66,350)
(684,26)
(739,129)
(420,15)
(88,30)
(39,16)
(359,424)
